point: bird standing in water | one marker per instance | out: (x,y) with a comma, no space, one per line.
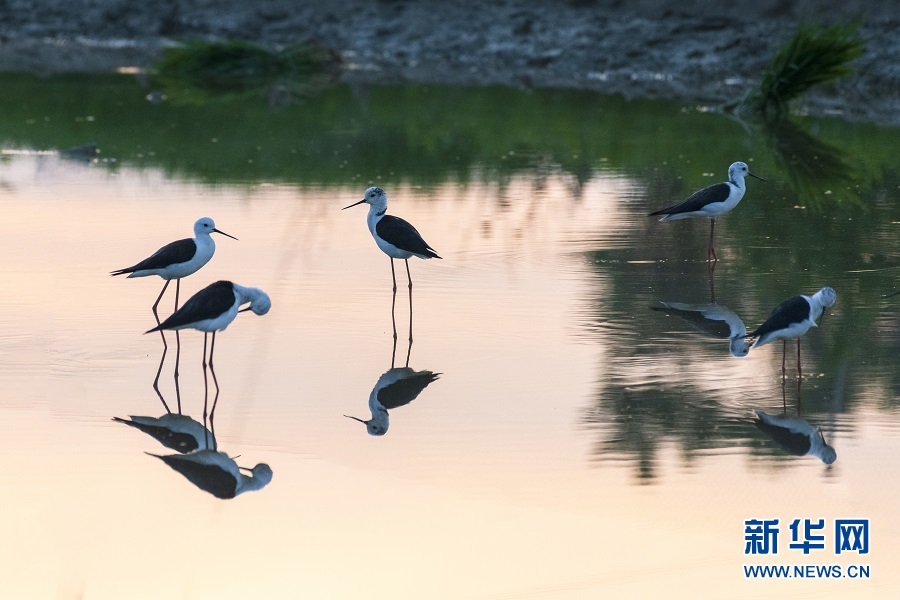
(711,202)
(793,318)
(396,238)
(178,259)
(213,309)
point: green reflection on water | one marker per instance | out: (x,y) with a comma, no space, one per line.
(833,187)
(429,134)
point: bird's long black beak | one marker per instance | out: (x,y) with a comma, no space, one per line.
(757,176)
(354,204)
(223,233)
(355,419)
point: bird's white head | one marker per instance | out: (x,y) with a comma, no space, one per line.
(737,171)
(826,296)
(829,455)
(739,347)
(374,197)
(262,473)
(377,425)
(206,226)
(260,303)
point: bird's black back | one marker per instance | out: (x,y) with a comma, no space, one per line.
(792,442)
(180,442)
(405,390)
(171,254)
(715,193)
(793,310)
(403,235)
(208,303)
(710,327)
(208,478)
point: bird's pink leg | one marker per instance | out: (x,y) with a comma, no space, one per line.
(783,353)
(409,277)
(177,349)
(156,314)
(710,250)
(212,369)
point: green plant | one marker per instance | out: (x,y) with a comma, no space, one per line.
(814,55)
(204,69)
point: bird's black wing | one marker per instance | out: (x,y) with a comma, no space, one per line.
(405,390)
(796,444)
(208,303)
(708,195)
(710,327)
(208,478)
(180,442)
(171,254)
(793,310)
(403,235)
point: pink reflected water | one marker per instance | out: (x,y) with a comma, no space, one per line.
(493,483)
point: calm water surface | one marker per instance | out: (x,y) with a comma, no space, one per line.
(585,436)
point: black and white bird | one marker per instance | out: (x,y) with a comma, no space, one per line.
(395,388)
(396,237)
(178,259)
(713,320)
(213,309)
(174,431)
(793,318)
(711,202)
(216,473)
(795,436)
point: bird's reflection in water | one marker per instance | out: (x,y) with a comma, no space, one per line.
(794,434)
(217,473)
(199,459)
(396,387)
(162,361)
(711,320)
(174,431)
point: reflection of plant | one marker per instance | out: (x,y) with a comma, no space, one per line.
(426,134)
(202,69)
(813,167)
(815,55)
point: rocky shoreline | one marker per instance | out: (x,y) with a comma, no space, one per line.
(685,51)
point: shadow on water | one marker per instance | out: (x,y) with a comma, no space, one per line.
(198,457)
(396,387)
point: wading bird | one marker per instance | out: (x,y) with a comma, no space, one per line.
(178,259)
(213,309)
(793,318)
(396,238)
(711,202)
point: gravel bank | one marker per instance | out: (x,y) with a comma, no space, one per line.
(684,50)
